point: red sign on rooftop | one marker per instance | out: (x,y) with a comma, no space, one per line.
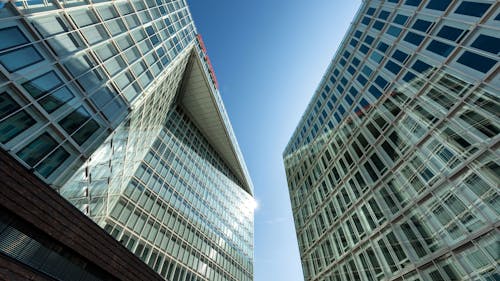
(207,59)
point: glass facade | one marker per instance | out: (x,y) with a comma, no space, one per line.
(95,100)
(393,170)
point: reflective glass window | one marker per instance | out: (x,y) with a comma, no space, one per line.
(440,48)
(473,9)
(414,38)
(20,58)
(400,56)
(74,120)
(450,33)
(394,31)
(439,5)
(7,105)
(52,162)
(487,43)
(421,25)
(85,132)
(11,37)
(393,67)
(37,149)
(413,2)
(477,62)
(55,100)
(400,19)
(43,84)
(14,125)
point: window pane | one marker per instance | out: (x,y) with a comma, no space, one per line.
(74,120)
(42,84)
(476,61)
(7,105)
(14,125)
(487,43)
(57,99)
(85,132)
(37,149)
(20,58)
(52,162)
(422,25)
(414,38)
(440,5)
(394,31)
(450,33)
(440,48)
(11,37)
(413,2)
(474,9)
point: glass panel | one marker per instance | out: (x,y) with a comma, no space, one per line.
(11,37)
(37,149)
(487,43)
(7,105)
(57,99)
(74,120)
(42,84)
(85,132)
(476,61)
(473,9)
(52,162)
(20,58)
(14,125)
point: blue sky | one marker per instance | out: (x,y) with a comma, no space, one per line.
(269,56)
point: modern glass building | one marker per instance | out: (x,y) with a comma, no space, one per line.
(393,170)
(115,105)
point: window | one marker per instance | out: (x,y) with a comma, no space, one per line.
(375,92)
(20,58)
(74,120)
(392,67)
(473,9)
(52,162)
(15,124)
(394,31)
(439,5)
(400,56)
(450,33)
(413,2)
(376,57)
(11,37)
(43,84)
(487,43)
(421,66)
(37,149)
(368,40)
(382,47)
(364,49)
(414,38)
(370,11)
(421,25)
(440,48)
(381,82)
(378,25)
(55,100)
(477,62)
(384,15)
(400,19)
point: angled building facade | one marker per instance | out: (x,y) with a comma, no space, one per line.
(115,105)
(393,170)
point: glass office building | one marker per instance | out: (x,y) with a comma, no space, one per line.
(115,105)
(393,170)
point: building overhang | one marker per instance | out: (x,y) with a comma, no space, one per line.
(201,100)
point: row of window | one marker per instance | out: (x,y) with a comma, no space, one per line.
(471,59)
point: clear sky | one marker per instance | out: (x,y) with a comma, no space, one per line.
(269,56)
